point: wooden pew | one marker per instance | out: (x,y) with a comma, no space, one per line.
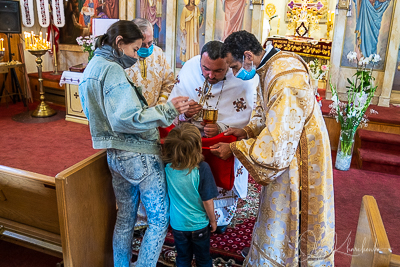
(71,215)
(371,246)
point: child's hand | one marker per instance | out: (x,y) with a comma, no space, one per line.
(213,225)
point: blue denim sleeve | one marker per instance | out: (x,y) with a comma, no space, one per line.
(207,187)
(125,112)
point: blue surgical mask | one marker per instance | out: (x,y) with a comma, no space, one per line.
(145,52)
(246,75)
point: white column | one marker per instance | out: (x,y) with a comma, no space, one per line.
(257,22)
(170,33)
(210,20)
(391,59)
(131,9)
(337,47)
(122,9)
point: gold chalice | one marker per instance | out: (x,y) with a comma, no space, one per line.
(210,115)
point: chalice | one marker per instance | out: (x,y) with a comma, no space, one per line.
(43,110)
(210,115)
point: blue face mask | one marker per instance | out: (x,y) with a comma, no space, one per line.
(246,75)
(145,52)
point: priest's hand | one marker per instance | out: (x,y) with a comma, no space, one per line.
(194,108)
(221,150)
(239,133)
(210,129)
(181,103)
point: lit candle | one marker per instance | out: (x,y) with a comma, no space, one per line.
(1,44)
(55,55)
(279,23)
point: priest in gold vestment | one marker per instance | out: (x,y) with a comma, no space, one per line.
(285,148)
(152,73)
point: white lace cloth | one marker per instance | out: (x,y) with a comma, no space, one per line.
(71,77)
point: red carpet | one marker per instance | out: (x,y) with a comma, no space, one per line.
(45,148)
(350,187)
(379,152)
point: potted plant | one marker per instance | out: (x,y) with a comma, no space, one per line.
(351,114)
(88,44)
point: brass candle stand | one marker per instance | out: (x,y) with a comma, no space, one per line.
(43,110)
(2,53)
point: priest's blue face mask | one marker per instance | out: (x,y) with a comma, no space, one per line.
(145,52)
(246,74)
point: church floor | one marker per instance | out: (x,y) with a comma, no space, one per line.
(350,186)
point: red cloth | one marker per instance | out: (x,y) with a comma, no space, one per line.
(222,170)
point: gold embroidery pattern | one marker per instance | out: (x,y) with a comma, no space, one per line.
(154,76)
(290,159)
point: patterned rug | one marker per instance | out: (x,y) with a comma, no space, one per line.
(225,248)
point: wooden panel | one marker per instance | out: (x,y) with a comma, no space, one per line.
(73,102)
(395,261)
(53,84)
(371,246)
(28,198)
(334,129)
(14,40)
(87,211)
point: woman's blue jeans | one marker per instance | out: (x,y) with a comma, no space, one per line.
(137,175)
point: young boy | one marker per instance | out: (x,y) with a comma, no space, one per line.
(191,189)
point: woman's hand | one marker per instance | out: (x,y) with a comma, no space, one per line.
(239,133)
(194,108)
(181,103)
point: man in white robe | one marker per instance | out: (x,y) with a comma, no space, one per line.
(234,100)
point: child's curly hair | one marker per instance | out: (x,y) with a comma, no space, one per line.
(182,147)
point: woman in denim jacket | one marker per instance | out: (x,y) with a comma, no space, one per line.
(121,122)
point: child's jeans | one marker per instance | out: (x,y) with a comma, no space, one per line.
(137,175)
(188,243)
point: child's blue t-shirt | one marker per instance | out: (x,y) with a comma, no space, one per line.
(187,193)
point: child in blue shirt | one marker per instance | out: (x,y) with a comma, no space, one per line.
(191,189)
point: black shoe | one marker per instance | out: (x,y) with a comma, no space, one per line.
(221,229)
(245,251)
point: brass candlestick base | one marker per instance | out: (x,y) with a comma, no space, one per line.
(43,110)
(2,53)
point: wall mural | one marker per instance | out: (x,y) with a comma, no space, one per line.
(155,11)
(368,30)
(190,30)
(79,15)
(231,16)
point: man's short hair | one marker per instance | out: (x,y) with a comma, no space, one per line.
(143,24)
(213,49)
(239,42)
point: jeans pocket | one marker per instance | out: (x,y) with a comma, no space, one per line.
(201,234)
(132,166)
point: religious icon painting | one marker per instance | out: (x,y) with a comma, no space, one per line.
(368,30)
(232,16)
(321,5)
(154,11)
(190,29)
(79,15)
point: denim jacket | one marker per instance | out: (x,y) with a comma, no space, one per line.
(117,112)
